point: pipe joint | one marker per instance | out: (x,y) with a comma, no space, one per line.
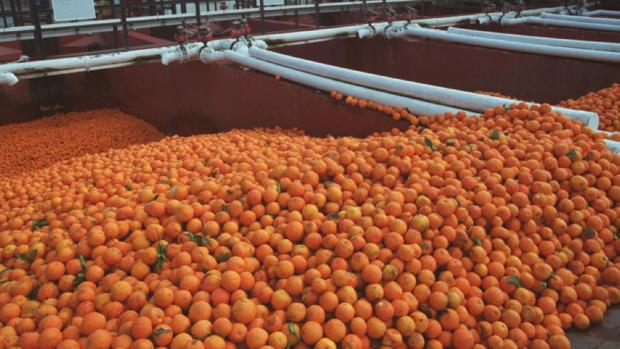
(8,79)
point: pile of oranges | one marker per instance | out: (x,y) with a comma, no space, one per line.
(34,145)
(605,102)
(499,231)
(396,113)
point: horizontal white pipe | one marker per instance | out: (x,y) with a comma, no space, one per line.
(85,63)
(558,23)
(613,145)
(539,40)
(8,79)
(587,19)
(601,13)
(599,56)
(440,95)
(414,106)
(350,31)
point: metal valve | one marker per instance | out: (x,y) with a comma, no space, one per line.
(204,34)
(181,35)
(518,6)
(237,29)
(371,16)
(246,30)
(389,14)
(223,6)
(489,7)
(407,13)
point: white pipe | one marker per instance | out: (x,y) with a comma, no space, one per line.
(599,56)
(414,106)
(182,54)
(600,13)
(8,79)
(431,93)
(349,31)
(586,19)
(85,63)
(581,44)
(559,23)
(613,145)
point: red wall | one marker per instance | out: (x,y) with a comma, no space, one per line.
(194,98)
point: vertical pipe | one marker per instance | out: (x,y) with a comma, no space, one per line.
(316,13)
(296,18)
(6,24)
(19,12)
(162,7)
(208,7)
(124,22)
(363,11)
(115,27)
(38,38)
(183,7)
(197,5)
(263,29)
(13,12)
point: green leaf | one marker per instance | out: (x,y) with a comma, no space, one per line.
(27,257)
(161,255)
(163,181)
(333,217)
(429,143)
(588,233)
(450,142)
(513,279)
(291,328)
(472,147)
(223,257)
(82,262)
(494,135)
(39,223)
(477,242)
(304,294)
(279,187)
(199,239)
(33,293)
(173,192)
(571,154)
(153,198)
(80,277)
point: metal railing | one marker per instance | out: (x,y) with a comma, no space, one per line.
(122,17)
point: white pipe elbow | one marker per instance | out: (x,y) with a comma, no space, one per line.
(169,57)
(483,20)
(260,44)
(391,32)
(368,32)
(8,79)
(209,55)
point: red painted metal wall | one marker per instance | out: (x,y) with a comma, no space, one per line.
(196,98)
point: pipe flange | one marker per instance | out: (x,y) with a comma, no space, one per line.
(374,30)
